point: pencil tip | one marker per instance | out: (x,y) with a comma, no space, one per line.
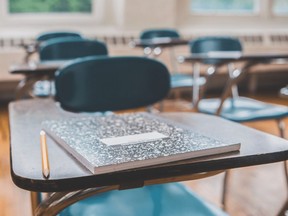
(46,174)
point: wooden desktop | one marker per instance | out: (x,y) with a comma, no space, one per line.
(66,174)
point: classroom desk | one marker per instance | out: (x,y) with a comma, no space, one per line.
(67,175)
(229,56)
(153,47)
(223,58)
(158,42)
(33,72)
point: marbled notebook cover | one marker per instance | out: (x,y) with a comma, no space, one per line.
(81,137)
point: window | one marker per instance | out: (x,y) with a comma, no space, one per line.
(280,7)
(223,6)
(49,6)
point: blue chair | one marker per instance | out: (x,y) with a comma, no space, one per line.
(68,48)
(178,80)
(99,84)
(65,48)
(56,34)
(234,108)
(115,83)
(156,33)
(33,48)
(213,43)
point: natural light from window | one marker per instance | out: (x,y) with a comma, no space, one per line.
(50,6)
(223,6)
(280,7)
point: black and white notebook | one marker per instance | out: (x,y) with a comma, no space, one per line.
(124,141)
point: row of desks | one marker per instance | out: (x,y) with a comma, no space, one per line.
(34,71)
(25,123)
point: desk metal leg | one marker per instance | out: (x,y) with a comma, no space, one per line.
(234,88)
(284,209)
(225,189)
(35,200)
(60,200)
(173,61)
(196,76)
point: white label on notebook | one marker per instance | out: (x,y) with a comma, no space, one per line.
(133,139)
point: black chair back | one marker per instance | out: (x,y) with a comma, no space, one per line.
(70,48)
(111,83)
(56,34)
(214,43)
(156,33)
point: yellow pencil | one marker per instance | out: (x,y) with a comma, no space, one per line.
(44,153)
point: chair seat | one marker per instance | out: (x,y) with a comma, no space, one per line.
(157,200)
(185,81)
(243,109)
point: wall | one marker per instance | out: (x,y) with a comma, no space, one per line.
(131,16)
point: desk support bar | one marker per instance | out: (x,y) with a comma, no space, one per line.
(35,200)
(208,76)
(60,200)
(233,81)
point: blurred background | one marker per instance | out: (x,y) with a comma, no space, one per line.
(262,26)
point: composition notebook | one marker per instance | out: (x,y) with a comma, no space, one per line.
(125,141)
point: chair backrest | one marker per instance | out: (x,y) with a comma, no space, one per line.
(156,33)
(111,83)
(214,43)
(70,48)
(51,35)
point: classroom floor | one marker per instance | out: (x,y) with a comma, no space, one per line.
(257,190)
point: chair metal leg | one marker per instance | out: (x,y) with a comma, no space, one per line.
(208,76)
(234,88)
(196,76)
(225,189)
(281,127)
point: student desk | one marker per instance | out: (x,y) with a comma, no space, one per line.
(153,48)
(223,57)
(71,181)
(158,42)
(33,72)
